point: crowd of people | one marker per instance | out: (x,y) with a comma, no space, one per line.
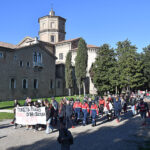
(76,112)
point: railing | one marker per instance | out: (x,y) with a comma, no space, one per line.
(37,64)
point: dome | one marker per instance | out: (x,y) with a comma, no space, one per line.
(52,13)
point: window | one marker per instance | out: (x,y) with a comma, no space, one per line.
(1,55)
(60,56)
(24,84)
(52,38)
(51,84)
(52,25)
(43,25)
(28,64)
(35,83)
(58,84)
(21,64)
(37,57)
(12,83)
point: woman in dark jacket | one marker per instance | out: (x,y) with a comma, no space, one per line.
(49,115)
(61,111)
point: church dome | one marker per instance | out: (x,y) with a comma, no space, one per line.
(52,13)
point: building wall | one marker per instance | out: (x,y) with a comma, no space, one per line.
(62,49)
(10,66)
(91,59)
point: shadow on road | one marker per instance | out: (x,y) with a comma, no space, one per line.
(3,137)
(5,126)
(124,136)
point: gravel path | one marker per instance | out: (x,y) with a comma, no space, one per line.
(126,135)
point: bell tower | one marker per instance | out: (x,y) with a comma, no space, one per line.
(52,28)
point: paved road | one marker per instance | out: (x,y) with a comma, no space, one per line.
(126,135)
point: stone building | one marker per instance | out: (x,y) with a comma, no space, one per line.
(36,68)
(27,69)
(52,29)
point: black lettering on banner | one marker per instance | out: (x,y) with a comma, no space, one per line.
(31,114)
(27,114)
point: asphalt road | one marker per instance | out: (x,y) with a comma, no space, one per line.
(126,135)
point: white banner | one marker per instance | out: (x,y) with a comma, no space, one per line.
(30,115)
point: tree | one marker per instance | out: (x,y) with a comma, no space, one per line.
(129,66)
(69,73)
(103,70)
(146,61)
(81,64)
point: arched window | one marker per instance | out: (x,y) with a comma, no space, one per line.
(35,56)
(12,83)
(24,84)
(39,58)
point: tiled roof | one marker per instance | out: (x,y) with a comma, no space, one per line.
(7,45)
(65,41)
(92,46)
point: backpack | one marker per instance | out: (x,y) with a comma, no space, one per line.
(68,137)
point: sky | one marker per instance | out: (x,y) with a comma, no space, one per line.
(97,21)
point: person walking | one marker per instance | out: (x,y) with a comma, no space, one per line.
(133,105)
(85,110)
(108,109)
(49,115)
(62,111)
(77,108)
(117,108)
(16,104)
(65,137)
(55,106)
(93,112)
(69,112)
(143,107)
(101,106)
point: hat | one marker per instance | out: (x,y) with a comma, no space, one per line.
(39,101)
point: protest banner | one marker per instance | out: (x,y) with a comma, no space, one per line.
(30,115)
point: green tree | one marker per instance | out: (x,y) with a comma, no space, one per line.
(81,64)
(129,67)
(103,70)
(69,73)
(146,61)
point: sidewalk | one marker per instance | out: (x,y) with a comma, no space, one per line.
(6,110)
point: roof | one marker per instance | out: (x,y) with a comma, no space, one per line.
(7,45)
(25,40)
(51,17)
(44,45)
(92,46)
(65,41)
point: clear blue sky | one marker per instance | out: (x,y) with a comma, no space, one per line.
(97,21)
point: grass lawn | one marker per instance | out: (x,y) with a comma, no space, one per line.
(4,115)
(10,104)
